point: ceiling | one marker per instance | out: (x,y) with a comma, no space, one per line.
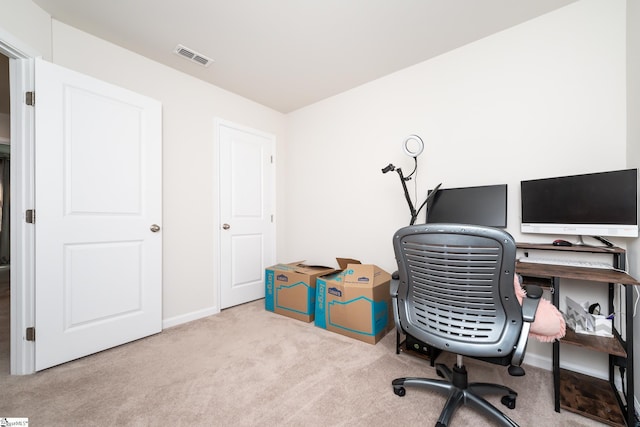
(287,54)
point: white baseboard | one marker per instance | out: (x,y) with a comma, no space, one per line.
(545,363)
(189,317)
(585,370)
(538,361)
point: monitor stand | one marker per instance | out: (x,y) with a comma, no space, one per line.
(601,239)
(580,242)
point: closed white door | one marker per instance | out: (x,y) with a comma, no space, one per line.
(98,247)
(247,206)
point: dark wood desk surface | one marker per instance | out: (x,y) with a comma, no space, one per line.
(569,272)
(574,248)
(580,273)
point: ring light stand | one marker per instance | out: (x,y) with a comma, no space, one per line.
(413,147)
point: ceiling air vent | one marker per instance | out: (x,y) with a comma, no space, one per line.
(193,56)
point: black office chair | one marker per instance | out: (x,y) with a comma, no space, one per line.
(454,290)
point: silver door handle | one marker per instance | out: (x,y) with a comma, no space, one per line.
(226,226)
(155,228)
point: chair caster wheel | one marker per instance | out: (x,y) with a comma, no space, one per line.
(400,391)
(509,401)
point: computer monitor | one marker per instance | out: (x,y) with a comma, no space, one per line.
(595,204)
(482,205)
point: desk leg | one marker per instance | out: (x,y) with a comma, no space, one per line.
(555,298)
(628,338)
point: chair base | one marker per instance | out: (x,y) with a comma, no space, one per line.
(461,392)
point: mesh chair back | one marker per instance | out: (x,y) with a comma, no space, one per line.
(456,288)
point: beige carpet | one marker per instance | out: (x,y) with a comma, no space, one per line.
(249,367)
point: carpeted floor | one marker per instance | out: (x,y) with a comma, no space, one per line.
(249,367)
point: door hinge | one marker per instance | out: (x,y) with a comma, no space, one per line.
(30,216)
(30,98)
(272,159)
(271,217)
(31,334)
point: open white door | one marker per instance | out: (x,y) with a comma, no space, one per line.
(247,204)
(98,249)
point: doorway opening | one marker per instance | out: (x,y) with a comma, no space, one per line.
(5,153)
(16,60)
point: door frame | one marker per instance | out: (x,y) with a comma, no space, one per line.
(22,305)
(217,264)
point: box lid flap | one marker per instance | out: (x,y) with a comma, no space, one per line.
(282,267)
(312,269)
(302,268)
(344,262)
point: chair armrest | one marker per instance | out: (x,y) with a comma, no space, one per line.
(530,303)
(529,308)
(393,290)
(395,283)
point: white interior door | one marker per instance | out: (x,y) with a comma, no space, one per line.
(247,206)
(98,276)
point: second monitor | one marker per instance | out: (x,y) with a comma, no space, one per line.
(483,205)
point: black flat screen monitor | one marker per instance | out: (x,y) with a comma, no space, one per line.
(595,204)
(484,205)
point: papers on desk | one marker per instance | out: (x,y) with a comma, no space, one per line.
(582,322)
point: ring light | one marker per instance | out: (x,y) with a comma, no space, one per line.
(413,145)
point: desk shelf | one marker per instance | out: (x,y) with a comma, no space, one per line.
(594,398)
(591,397)
(610,345)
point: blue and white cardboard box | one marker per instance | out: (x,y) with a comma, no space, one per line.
(290,289)
(355,301)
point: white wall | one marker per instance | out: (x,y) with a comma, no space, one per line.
(24,23)
(190,211)
(542,99)
(545,98)
(190,207)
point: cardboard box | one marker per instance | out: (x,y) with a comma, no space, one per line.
(290,289)
(355,301)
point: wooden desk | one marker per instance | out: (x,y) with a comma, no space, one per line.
(592,397)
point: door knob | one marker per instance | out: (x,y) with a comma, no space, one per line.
(226,226)
(155,228)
